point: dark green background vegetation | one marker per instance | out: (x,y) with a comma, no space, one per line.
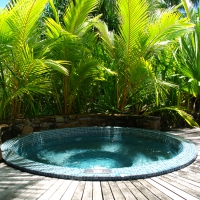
(107,56)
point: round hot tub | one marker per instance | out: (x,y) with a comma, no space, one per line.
(99,153)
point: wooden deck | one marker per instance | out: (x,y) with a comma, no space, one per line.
(182,184)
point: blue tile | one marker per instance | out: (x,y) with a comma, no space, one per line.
(187,153)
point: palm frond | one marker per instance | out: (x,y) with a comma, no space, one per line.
(55,13)
(134,18)
(188,118)
(169,26)
(107,37)
(54,29)
(23,18)
(187,57)
(77,14)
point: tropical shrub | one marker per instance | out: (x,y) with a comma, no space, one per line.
(24,69)
(74,60)
(188,60)
(73,42)
(130,51)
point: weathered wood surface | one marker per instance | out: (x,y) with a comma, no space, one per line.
(182,184)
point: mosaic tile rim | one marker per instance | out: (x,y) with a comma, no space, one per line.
(187,155)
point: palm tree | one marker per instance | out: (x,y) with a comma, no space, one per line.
(188,56)
(130,50)
(72,41)
(24,69)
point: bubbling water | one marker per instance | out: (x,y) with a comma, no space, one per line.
(102,152)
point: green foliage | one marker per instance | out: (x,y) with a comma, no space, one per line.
(188,57)
(73,42)
(130,51)
(64,56)
(188,118)
(23,72)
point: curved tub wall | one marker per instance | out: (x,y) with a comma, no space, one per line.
(12,150)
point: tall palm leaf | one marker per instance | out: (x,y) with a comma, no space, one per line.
(77,14)
(26,71)
(188,55)
(138,40)
(73,42)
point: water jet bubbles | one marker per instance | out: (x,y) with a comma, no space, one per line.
(78,139)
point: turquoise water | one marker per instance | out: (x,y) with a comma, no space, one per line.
(101,152)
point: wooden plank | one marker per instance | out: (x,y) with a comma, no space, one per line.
(11,190)
(144,191)
(186,187)
(193,166)
(196,165)
(6,167)
(12,195)
(79,191)
(125,190)
(16,176)
(191,171)
(70,191)
(193,138)
(40,190)
(35,188)
(179,133)
(198,149)
(97,193)
(7,183)
(192,133)
(174,189)
(184,131)
(198,158)
(61,190)
(196,162)
(188,175)
(7,171)
(107,193)
(165,190)
(87,194)
(22,192)
(116,191)
(27,190)
(135,191)
(50,191)
(6,180)
(186,181)
(10,172)
(154,190)
(2,165)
